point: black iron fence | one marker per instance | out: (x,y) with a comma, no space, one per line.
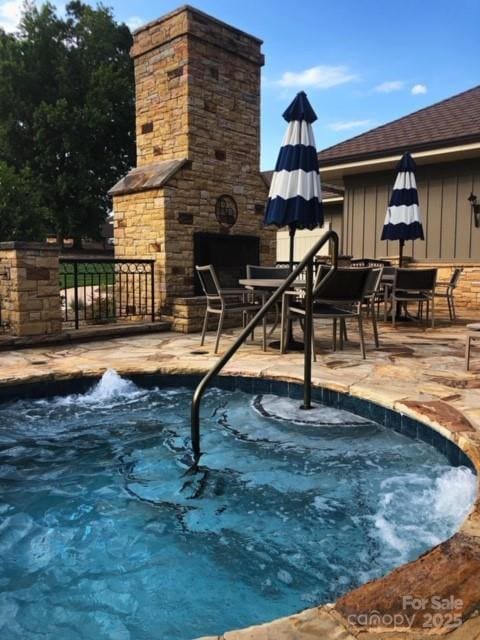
(95,291)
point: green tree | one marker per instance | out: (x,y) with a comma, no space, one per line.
(22,215)
(67,111)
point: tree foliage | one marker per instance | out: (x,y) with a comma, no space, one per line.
(67,113)
(22,216)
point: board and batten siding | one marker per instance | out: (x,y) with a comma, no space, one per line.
(304,240)
(443,191)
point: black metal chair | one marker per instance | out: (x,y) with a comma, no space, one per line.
(338,296)
(473,333)
(414,285)
(261,295)
(267,273)
(389,271)
(222,302)
(320,274)
(447,291)
(257,271)
(371,298)
(383,295)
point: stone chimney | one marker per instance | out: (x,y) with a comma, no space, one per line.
(197,182)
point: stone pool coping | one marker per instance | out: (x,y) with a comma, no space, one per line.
(435,393)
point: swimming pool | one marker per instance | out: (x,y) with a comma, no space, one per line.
(103,536)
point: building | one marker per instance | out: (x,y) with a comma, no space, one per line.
(444,140)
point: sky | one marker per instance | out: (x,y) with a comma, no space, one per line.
(362,63)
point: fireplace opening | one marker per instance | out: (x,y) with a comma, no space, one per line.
(228,254)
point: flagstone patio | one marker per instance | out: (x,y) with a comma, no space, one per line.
(416,371)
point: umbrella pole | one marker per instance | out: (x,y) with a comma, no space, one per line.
(292,244)
(291,343)
(400,306)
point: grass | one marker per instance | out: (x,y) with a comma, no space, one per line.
(92,274)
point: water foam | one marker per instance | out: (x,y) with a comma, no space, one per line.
(454,494)
(415,510)
(111,388)
(289,409)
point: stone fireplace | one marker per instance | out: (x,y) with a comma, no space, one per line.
(228,254)
(196,195)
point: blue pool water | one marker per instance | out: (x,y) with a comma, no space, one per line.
(101,535)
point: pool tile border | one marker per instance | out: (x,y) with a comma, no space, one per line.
(391,419)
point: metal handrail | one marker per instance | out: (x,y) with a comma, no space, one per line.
(307,261)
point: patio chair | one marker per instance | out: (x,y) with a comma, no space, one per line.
(414,285)
(389,272)
(267,273)
(371,298)
(388,276)
(223,302)
(261,295)
(373,295)
(338,296)
(473,333)
(276,273)
(320,274)
(298,294)
(447,291)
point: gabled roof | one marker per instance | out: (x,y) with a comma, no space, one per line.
(453,121)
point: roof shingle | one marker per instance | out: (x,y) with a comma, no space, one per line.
(455,120)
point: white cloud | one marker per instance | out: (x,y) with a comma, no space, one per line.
(418,89)
(134,22)
(319,77)
(389,86)
(350,124)
(10,14)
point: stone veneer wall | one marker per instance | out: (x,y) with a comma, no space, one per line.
(160,53)
(140,233)
(197,100)
(29,288)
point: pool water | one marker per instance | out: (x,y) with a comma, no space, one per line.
(102,536)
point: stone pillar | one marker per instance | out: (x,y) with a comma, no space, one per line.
(29,288)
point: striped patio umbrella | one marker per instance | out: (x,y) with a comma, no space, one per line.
(402,221)
(295,198)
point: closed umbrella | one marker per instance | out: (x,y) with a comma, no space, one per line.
(402,221)
(295,198)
